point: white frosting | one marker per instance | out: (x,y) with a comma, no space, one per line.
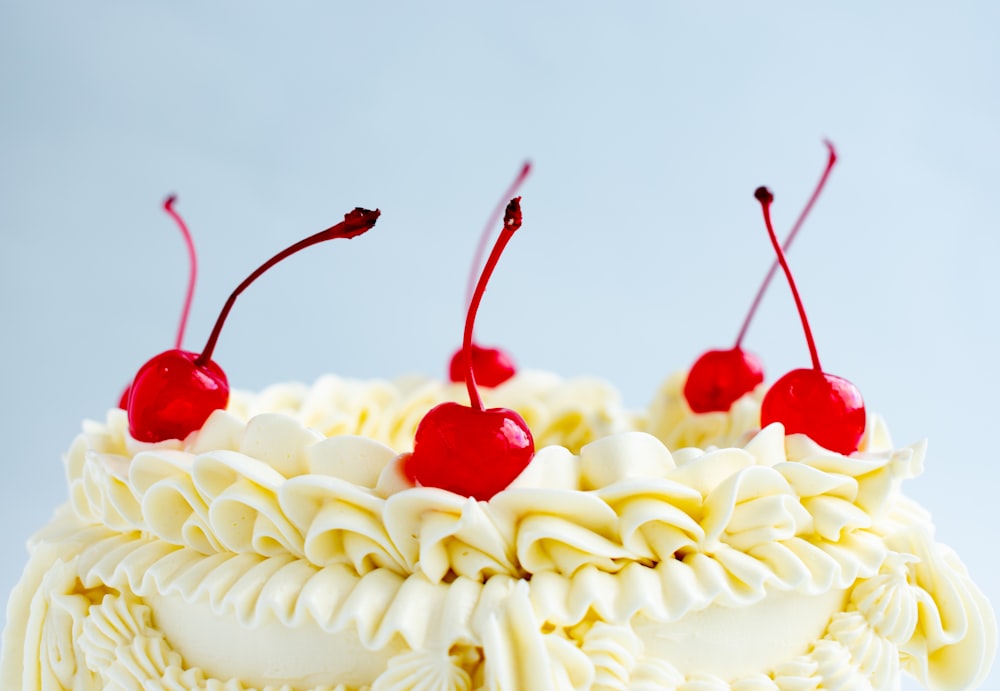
(271,652)
(281,547)
(736,642)
(671,419)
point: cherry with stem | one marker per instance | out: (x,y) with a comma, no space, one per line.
(168,206)
(492,366)
(826,408)
(174,392)
(718,378)
(472,450)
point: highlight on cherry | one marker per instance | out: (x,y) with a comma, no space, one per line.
(174,392)
(491,365)
(826,408)
(472,450)
(719,378)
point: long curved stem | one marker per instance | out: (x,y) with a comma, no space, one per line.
(168,206)
(484,236)
(765,198)
(831,160)
(511,222)
(355,223)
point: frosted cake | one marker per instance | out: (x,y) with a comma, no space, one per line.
(281,547)
(384,536)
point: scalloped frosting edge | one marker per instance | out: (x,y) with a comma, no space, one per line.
(81,606)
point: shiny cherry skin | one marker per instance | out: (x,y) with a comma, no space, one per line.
(172,396)
(720,377)
(826,408)
(491,366)
(471,452)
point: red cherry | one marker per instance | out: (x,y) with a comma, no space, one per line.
(492,366)
(174,393)
(826,408)
(467,449)
(470,451)
(168,206)
(720,377)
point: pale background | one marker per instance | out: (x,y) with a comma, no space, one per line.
(650,125)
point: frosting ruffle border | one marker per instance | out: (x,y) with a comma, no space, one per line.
(87,625)
(624,499)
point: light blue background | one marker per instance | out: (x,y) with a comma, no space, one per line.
(650,125)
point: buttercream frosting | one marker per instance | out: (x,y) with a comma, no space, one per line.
(628,542)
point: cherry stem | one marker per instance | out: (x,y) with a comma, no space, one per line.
(765,198)
(168,206)
(831,160)
(511,222)
(355,223)
(490,223)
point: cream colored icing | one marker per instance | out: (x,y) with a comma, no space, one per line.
(288,514)
(736,642)
(671,420)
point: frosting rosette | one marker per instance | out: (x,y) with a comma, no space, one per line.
(281,547)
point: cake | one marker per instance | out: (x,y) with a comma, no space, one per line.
(325,538)
(281,547)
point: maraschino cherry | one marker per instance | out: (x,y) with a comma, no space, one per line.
(168,206)
(492,366)
(470,450)
(826,408)
(175,392)
(718,378)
